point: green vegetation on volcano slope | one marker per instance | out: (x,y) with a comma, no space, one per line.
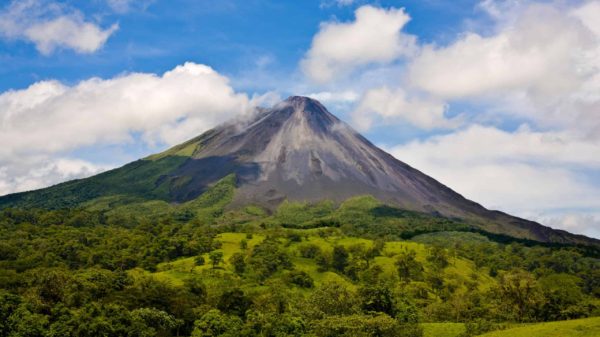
(149,268)
(139,180)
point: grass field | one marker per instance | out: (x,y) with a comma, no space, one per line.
(587,327)
(443,329)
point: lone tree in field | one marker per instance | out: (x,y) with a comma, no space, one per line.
(216,258)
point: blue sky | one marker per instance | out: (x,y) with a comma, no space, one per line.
(230,36)
(495,98)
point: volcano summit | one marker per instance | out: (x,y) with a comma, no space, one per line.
(296,151)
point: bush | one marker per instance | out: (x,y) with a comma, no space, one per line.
(380,325)
(309,250)
(301,279)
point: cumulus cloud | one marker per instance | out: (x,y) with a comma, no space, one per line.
(50,118)
(546,59)
(540,53)
(587,224)
(522,172)
(41,171)
(374,37)
(397,104)
(51,25)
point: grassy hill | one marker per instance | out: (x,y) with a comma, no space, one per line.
(587,327)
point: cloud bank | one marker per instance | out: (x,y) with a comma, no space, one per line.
(50,25)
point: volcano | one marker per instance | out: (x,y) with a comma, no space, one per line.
(297,151)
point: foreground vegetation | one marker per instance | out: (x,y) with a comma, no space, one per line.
(587,327)
(148,268)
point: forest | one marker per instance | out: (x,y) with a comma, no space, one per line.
(357,269)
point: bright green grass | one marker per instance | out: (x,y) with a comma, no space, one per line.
(587,327)
(442,329)
(460,271)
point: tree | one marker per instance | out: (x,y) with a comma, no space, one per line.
(301,279)
(438,257)
(309,250)
(563,297)
(408,267)
(519,295)
(159,322)
(267,258)
(197,288)
(216,257)
(377,298)
(333,299)
(234,302)
(24,323)
(238,262)
(339,258)
(379,325)
(215,323)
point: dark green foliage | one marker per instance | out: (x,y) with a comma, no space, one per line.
(379,325)
(238,261)
(309,250)
(267,258)
(199,260)
(333,299)
(438,257)
(215,257)
(234,302)
(214,323)
(139,179)
(377,299)
(408,267)
(301,279)
(339,259)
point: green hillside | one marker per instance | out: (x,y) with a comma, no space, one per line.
(121,266)
(587,327)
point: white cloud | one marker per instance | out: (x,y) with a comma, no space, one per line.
(51,25)
(325,97)
(52,117)
(42,122)
(589,13)
(124,6)
(586,224)
(522,172)
(539,53)
(544,58)
(374,37)
(396,104)
(338,3)
(37,172)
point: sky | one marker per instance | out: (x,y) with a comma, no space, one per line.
(497,99)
